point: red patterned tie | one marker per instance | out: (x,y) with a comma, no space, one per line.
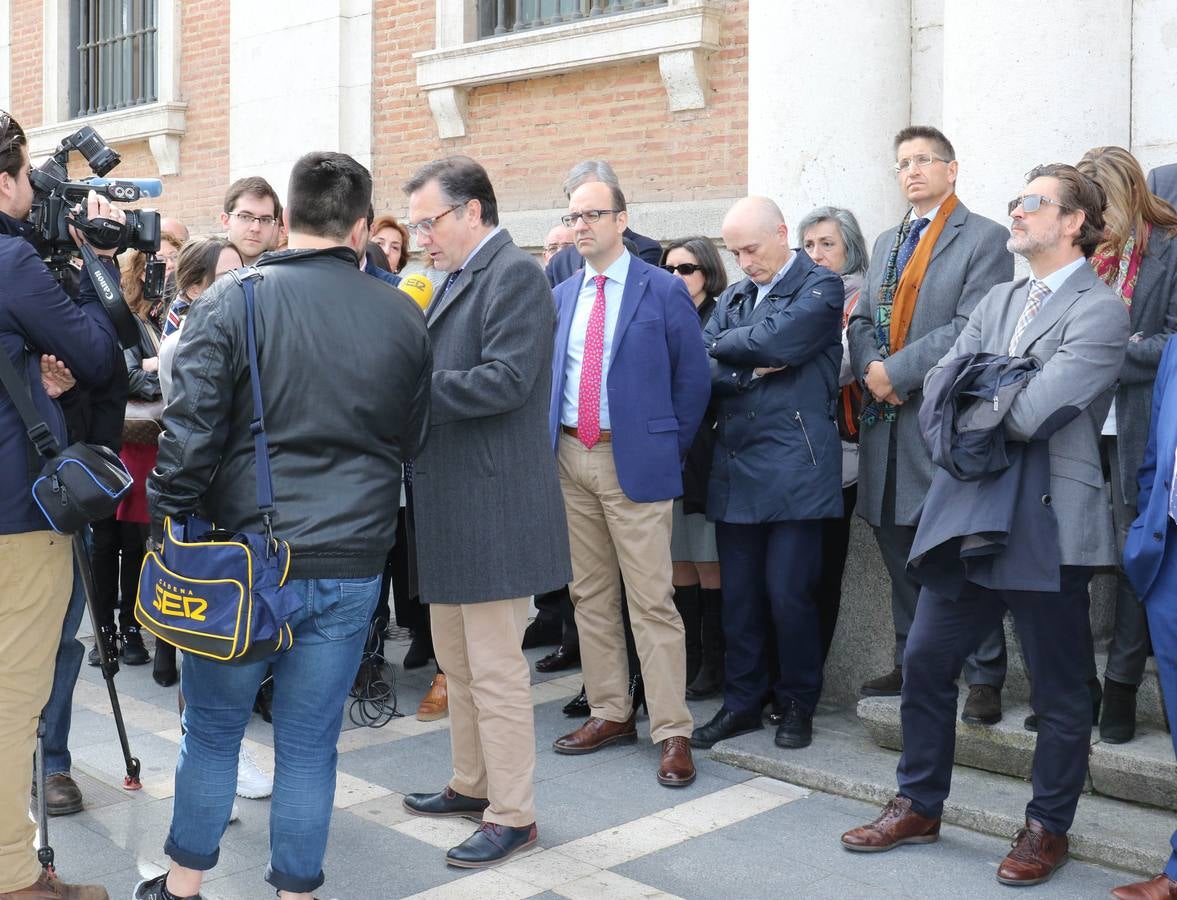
(588,424)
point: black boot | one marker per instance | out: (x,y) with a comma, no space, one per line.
(420,649)
(164,670)
(686,601)
(709,681)
(1117,725)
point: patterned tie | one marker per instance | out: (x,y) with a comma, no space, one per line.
(175,315)
(449,282)
(908,246)
(588,424)
(1038,293)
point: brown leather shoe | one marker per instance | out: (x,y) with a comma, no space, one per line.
(896,825)
(436,704)
(63,797)
(595,734)
(50,887)
(1035,856)
(676,768)
(1160,888)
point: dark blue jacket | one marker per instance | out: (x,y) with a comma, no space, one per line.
(36,313)
(777,452)
(568,261)
(657,380)
(1145,547)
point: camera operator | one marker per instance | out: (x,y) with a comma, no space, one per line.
(35,313)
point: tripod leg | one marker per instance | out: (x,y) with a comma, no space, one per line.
(109,666)
(44,851)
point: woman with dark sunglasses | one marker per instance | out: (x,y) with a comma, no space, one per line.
(696,560)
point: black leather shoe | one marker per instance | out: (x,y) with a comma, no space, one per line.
(263,703)
(447,802)
(725,724)
(133,652)
(545,630)
(982,706)
(796,729)
(420,650)
(559,659)
(578,706)
(490,845)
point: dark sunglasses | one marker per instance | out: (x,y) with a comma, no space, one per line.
(684,269)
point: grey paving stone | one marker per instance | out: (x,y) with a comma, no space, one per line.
(421,763)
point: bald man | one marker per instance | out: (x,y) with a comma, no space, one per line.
(775,346)
(174,227)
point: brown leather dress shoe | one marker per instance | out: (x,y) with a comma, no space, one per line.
(50,887)
(595,734)
(896,825)
(436,704)
(676,769)
(63,797)
(1160,888)
(1035,856)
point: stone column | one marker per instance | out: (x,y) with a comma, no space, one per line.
(299,81)
(1041,83)
(828,86)
(1154,82)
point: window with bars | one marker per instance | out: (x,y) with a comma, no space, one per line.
(497,17)
(114,60)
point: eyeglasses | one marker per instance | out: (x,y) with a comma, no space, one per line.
(919,161)
(250,220)
(684,269)
(556,248)
(1033,202)
(425,226)
(590,216)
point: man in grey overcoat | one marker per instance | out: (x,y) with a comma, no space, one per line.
(488,509)
(967,257)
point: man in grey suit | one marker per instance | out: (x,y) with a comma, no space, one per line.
(1162,181)
(1076,329)
(925,278)
(487,504)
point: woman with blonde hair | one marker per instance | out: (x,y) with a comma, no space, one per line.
(1138,260)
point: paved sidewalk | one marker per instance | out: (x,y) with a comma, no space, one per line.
(606,828)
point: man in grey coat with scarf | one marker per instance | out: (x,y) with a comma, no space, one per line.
(488,509)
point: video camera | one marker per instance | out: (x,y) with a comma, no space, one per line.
(52,214)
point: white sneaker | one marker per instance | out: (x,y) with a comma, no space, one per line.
(252,782)
(234,814)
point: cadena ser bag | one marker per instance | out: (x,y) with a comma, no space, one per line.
(216,593)
(76,486)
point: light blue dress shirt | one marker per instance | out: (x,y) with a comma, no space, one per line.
(615,277)
(763,289)
(1055,279)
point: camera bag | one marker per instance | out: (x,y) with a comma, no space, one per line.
(217,593)
(76,486)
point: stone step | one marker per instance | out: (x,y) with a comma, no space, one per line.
(1141,771)
(844,760)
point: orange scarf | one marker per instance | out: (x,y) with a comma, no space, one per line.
(908,289)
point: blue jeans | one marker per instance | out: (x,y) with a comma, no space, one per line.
(310,684)
(70,651)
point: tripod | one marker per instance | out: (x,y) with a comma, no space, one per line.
(109,665)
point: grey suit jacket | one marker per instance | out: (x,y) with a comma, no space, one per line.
(968,259)
(1079,337)
(1154,318)
(1162,181)
(486,497)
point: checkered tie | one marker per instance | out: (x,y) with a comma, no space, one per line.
(1038,293)
(588,419)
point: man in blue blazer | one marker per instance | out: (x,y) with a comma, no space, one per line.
(1150,560)
(629,387)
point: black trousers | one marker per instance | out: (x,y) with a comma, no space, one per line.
(116,559)
(1055,634)
(835,541)
(769,574)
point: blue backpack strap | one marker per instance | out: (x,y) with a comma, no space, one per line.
(261,448)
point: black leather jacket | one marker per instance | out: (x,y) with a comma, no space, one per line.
(346,370)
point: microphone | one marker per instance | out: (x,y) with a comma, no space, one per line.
(419,288)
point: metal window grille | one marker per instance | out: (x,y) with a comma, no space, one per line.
(114,62)
(497,17)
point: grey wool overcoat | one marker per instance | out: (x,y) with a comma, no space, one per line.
(486,497)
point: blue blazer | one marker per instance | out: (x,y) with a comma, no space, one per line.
(1145,547)
(658,381)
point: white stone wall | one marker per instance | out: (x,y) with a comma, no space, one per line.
(1154,82)
(299,79)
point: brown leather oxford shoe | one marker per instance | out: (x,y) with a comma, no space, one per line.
(595,734)
(1160,888)
(896,825)
(1036,855)
(676,768)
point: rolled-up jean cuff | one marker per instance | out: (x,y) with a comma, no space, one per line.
(200,861)
(295,885)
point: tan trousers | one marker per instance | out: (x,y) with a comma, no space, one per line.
(492,724)
(36,577)
(606,530)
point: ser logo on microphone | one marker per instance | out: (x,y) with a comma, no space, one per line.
(419,288)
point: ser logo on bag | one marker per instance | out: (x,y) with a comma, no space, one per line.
(174,601)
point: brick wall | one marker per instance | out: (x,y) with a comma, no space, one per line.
(26,62)
(529,133)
